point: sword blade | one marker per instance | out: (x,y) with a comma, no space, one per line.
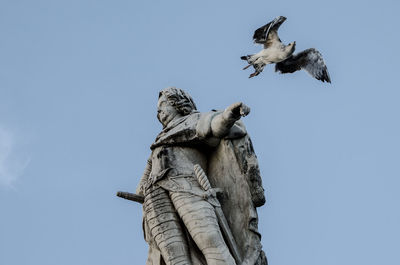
(230,240)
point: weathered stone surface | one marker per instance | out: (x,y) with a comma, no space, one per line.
(195,156)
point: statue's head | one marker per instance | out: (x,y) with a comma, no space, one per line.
(174,102)
(179,99)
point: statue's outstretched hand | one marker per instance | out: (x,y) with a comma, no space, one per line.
(222,123)
(238,109)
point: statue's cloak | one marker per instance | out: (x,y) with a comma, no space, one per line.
(233,167)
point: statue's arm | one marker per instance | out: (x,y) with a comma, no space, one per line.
(222,123)
(143,180)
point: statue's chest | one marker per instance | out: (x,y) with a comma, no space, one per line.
(179,159)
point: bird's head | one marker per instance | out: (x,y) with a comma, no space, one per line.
(291,47)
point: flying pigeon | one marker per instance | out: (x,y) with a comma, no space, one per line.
(282,55)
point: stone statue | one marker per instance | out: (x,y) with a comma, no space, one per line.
(195,157)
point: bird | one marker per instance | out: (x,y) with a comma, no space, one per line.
(275,52)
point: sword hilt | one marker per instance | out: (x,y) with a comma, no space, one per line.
(206,186)
(202,177)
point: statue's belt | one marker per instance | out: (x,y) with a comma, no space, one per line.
(170,185)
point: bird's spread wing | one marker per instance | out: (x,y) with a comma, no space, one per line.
(310,60)
(268,33)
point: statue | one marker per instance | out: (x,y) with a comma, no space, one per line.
(195,157)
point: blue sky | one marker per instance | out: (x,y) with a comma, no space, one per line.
(79,82)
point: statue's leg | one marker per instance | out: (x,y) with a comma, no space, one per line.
(200,220)
(165,228)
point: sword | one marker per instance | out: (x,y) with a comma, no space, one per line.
(230,240)
(131,196)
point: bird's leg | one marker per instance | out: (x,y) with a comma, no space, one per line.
(253,75)
(246,67)
(256,73)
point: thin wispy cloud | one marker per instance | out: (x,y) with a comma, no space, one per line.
(12,164)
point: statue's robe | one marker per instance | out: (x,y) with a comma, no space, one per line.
(233,167)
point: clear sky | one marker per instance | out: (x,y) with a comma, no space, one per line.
(79,82)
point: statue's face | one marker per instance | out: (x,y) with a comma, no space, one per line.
(165,112)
